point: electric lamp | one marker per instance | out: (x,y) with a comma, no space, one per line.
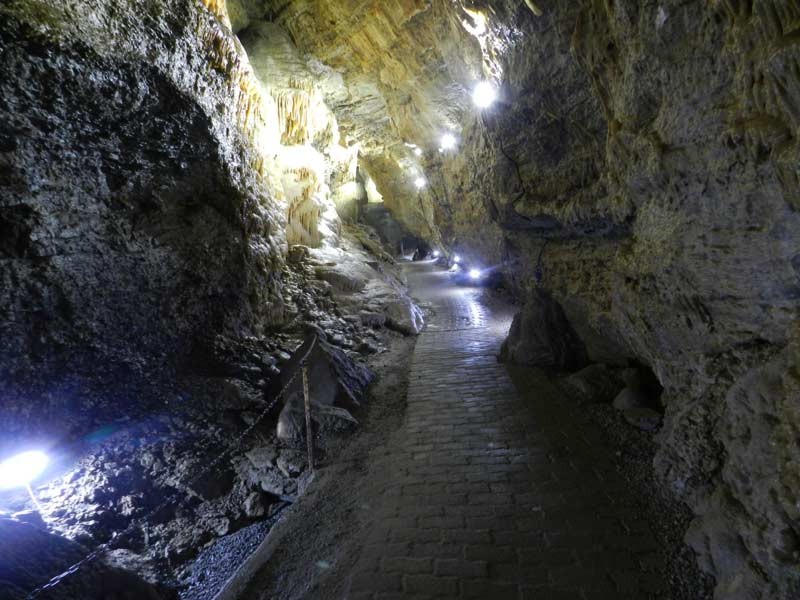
(484,94)
(20,470)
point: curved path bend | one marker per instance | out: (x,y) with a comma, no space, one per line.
(495,486)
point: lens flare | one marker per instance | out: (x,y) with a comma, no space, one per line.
(20,470)
(484,94)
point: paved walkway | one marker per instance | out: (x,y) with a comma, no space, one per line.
(495,486)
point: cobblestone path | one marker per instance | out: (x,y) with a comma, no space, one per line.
(494,487)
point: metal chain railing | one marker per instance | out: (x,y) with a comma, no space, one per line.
(178,498)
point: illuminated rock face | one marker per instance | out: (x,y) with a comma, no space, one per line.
(131,207)
(646,154)
(641,157)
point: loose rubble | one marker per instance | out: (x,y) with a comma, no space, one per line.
(128,469)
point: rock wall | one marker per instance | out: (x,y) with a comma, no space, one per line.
(160,186)
(133,219)
(639,167)
(650,178)
(152,173)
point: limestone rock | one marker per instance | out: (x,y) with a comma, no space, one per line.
(326,421)
(404,316)
(541,336)
(262,457)
(272,481)
(254,506)
(336,384)
(643,418)
(292,462)
(594,384)
(630,398)
(29,557)
(639,173)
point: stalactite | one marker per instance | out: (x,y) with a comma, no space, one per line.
(294,108)
(225,57)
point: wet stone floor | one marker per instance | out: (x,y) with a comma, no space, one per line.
(495,486)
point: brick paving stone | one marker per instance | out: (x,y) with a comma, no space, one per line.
(461,568)
(430,585)
(488,590)
(407,565)
(491,553)
(494,486)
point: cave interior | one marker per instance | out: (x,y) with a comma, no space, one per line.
(377,299)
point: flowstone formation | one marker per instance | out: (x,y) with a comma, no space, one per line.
(639,169)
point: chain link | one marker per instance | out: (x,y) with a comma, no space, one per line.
(175,498)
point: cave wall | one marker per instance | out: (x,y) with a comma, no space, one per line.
(154,169)
(134,218)
(649,169)
(641,158)
(671,241)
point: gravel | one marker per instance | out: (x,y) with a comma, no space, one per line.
(206,575)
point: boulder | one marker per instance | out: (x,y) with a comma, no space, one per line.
(341,280)
(541,336)
(291,462)
(30,557)
(404,316)
(272,482)
(630,398)
(327,420)
(254,505)
(594,384)
(643,418)
(373,319)
(262,457)
(336,385)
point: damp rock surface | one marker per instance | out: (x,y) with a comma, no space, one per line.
(184,188)
(638,168)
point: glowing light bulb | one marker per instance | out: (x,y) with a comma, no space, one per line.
(20,470)
(474,274)
(456,259)
(419,182)
(418,151)
(448,141)
(484,94)
(436,254)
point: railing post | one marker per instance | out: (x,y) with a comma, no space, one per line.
(309,430)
